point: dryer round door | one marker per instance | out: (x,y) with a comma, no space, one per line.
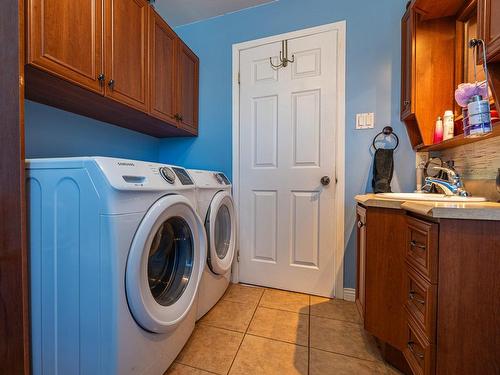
(220,224)
(165,264)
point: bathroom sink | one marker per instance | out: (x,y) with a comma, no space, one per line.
(429,197)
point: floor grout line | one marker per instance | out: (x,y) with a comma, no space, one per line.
(197,368)
(277,340)
(350,356)
(244,334)
(309,339)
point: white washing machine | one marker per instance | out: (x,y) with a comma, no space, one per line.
(117,254)
(216,208)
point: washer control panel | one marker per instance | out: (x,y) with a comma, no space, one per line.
(167,174)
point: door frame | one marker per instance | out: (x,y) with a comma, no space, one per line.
(339,172)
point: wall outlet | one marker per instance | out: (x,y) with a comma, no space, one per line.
(365,120)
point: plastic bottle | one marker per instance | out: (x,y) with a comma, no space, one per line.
(449,125)
(438,130)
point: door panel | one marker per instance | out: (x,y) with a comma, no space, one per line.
(188,88)
(163,45)
(66,39)
(126,52)
(287,139)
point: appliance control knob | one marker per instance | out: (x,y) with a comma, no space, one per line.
(167,174)
(218,178)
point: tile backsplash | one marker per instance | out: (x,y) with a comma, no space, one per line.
(478,163)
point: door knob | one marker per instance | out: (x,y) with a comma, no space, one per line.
(325,180)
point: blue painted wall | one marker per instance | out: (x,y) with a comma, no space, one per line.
(51,132)
(372,84)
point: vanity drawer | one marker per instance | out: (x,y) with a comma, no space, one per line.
(419,353)
(422,247)
(421,302)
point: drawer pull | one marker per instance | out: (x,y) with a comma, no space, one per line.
(413,297)
(412,350)
(417,245)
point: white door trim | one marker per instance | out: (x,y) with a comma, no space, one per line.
(340,27)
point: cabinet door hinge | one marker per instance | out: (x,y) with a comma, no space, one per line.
(239,78)
(238,256)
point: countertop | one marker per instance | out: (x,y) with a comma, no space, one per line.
(436,210)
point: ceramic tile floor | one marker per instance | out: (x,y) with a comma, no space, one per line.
(259,331)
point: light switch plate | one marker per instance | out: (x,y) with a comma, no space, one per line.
(365,120)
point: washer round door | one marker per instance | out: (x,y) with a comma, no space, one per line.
(220,225)
(165,264)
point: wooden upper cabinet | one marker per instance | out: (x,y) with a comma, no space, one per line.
(188,79)
(407,64)
(163,68)
(116,61)
(65,39)
(489,27)
(126,46)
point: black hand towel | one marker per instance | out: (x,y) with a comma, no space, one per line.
(383,169)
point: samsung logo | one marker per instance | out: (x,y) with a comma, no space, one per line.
(126,164)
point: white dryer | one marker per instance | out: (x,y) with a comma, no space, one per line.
(216,208)
(117,254)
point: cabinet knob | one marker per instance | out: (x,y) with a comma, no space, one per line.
(414,243)
(411,347)
(412,297)
(111,84)
(101,78)
(360,224)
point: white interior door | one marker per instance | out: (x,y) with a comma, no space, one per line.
(288,121)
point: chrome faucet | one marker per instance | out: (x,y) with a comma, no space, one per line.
(452,186)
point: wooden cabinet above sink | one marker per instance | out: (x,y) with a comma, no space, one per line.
(436,59)
(116,61)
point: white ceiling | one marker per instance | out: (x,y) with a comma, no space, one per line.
(181,12)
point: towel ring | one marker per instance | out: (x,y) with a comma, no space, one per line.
(386,131)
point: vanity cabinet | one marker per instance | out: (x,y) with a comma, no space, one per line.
(431,289)
(381,259)
(361,260)
(113,60)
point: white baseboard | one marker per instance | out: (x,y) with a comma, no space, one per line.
(349,294)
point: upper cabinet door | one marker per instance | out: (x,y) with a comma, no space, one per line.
(407,64)
(126,53)
(163,68)
(65,39)
(188,80)
(489,27)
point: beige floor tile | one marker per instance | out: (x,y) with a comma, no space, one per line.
(325,363)
(230,315)
(210,348)
(289,301)
(243,294)
(260,356)
(334,309)
(280,325)
(179,369)
(342,337)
